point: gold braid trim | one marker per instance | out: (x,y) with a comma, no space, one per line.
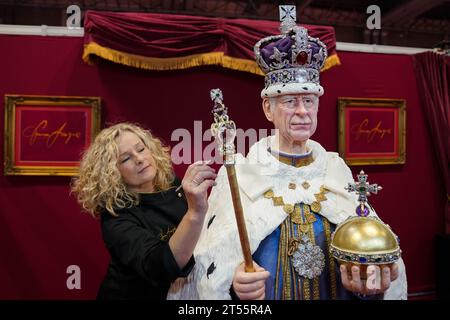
(306,283)
(285,235)
(287,276)
(301,162)
(279,259)
(316,291)
(293,273)
(306,289)
(327,228)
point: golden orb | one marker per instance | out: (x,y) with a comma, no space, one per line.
(364,241)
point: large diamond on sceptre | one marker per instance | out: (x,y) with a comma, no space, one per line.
(224,131)
(363,239)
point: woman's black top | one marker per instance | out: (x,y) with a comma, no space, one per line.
(142,265)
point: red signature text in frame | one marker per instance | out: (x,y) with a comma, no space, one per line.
(363,130)
(38,132)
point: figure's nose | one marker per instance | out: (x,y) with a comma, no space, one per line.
(139,158)
(300,108)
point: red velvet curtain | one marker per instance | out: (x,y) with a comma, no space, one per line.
(433,80)
(158,41)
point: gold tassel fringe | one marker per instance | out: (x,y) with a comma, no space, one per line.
(211,58)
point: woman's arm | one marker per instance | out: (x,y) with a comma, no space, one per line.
(198,179)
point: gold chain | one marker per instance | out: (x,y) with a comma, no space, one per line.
(289,208)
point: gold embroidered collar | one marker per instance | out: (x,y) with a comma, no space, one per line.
(295,160)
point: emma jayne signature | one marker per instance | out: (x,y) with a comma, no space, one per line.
(361,129)
(35,132)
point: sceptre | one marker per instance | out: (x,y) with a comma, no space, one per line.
(224,132)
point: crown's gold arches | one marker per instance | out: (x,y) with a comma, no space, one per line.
(210,58)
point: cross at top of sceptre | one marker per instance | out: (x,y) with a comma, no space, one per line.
(219,109)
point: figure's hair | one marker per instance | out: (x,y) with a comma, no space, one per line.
(272,103)
(99,184)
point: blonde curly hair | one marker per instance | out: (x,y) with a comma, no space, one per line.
(99,184)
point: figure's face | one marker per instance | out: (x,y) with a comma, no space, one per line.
(135,162)
(294,115)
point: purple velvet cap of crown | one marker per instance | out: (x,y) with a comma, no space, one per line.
(285,45)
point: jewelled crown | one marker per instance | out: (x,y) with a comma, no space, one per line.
(292,60)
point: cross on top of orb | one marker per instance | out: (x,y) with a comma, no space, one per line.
(363,188)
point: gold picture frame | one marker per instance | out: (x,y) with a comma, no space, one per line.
(46,135)
(372,131)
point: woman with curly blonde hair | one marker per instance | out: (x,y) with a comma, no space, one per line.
(150,219)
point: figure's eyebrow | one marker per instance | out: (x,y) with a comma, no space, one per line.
(287,97)
(125,152)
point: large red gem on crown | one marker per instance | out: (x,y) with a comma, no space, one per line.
(302,58)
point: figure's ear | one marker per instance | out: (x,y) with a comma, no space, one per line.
(267,110)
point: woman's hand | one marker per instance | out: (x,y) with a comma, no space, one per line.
(199,177)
